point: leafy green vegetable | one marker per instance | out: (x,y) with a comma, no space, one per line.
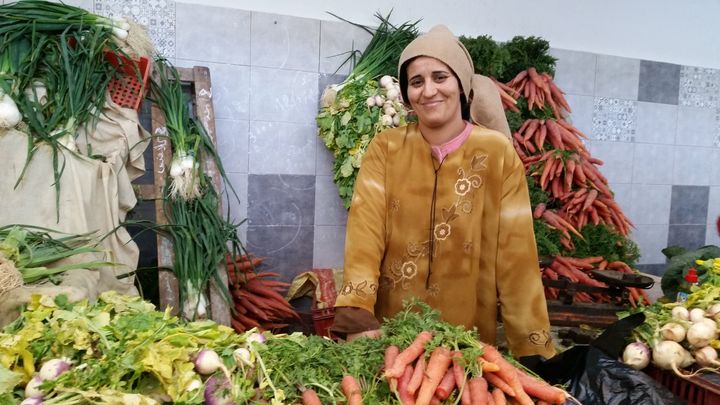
(600,240)
(526,52)
(489,57)
(679,264)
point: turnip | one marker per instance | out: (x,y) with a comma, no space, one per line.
(386,81)
(673,331)
(53,368)
(390,111)
(696,314)
(706,357)
(396,120)
(680,313)
(713,311)
(379,100)
(242,357)
(32,388)
(386,120)
(670,355)
(392,94)
(32,401)
(636,355)
(208,362)
(256,337)
(370,102)
(9,113)
(700,334)
(218,392)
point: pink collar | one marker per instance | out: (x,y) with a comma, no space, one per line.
(439,152)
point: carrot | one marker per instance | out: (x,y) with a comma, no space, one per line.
(390,354)
(540,138)
(436,368)
(499,383)
(491,400)
(407,356)
(405,397)
(310,397)
(460,380)
(540,389)
(351,389)
(538,211)
(417,377)
(518,78)
(507,373)
(486,366)
(446,386)
(478,391)
(499,397)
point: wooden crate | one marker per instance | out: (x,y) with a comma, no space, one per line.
(198,79)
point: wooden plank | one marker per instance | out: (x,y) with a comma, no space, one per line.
(219,308)
(162,156)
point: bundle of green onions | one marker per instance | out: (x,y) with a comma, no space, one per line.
(28,250)
(201,237)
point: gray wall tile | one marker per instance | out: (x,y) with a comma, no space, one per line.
(324,159)
(689,205)
(232,144)
(288,250)
(614,119)
(337,39)
(651,239)
(280,41)
(659,82)
(699,87)
(656,123)
(230,88)
(238,206)
(281,200)
(618,158)
(690,237)
(651,204)
(654,269)
(329,209)
(713,211)
(696,126)
(711,235)
(653,164)
(329,247)
(575,72)
(283,95)
(582,113)
(692,165)
(282,148)
(617,77)
(224,37)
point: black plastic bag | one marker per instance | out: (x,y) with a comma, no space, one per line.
(593,374)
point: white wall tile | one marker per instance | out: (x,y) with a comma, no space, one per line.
(582,113)
(617,77)
(283,95)
(224,37)
(238,209)
(337,40)
(656,123)
(575,71)
(715,171)
(622,194)
(651,204)
(617,158)
(653,164)
(232,144)
(692,166)
(329,208)
(281,41)
(696,126)
(329,247)
(281,148)
(230,88)
(651,239)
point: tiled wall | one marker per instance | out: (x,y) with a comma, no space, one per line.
(656,126)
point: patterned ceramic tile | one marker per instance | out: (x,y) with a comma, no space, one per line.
(699,87)
(158,16)
(614,119)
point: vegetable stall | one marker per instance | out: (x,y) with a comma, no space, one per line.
(76,330)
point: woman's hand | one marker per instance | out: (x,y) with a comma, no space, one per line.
(372,334)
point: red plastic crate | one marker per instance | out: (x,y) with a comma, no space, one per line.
(127,90)
(702,389)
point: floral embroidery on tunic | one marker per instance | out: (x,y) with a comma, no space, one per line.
(399,272)
(540,338)
(359,289)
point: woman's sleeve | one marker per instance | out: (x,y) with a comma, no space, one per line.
(365,236)
(518,277)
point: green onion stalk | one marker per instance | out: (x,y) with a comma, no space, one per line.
(28,250)
(202,238)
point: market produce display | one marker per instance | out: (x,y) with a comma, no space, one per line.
(677,335)
(120,350)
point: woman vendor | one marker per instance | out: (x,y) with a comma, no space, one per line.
(441,211)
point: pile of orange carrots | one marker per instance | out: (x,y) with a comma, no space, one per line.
(539,90)
(257,296)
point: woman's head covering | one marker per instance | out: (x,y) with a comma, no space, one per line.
(441,44)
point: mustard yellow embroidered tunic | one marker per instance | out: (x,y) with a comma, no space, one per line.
(483,248)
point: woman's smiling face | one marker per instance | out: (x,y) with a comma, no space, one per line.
(433,92)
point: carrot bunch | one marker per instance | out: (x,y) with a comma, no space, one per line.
(258,298)
(539,90)
(421,378)
(508,95)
